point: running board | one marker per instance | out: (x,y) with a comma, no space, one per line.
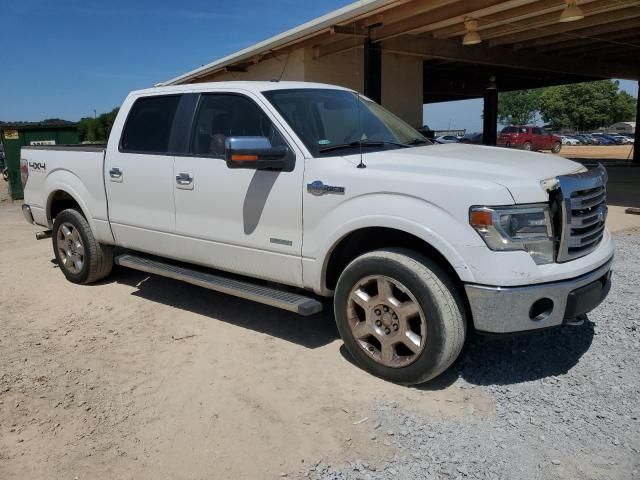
(292,302)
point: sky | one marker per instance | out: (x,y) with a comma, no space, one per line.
(67,58)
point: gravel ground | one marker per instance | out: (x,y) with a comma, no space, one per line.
(566,403)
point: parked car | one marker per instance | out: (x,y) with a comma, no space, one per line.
(566,140)
(529,138)
(292,191)
(621,139)
(447,139)
(604,139)
(474,138)
(589,139)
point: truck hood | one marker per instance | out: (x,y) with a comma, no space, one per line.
(519,171)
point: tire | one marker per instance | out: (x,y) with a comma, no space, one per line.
(527,146)
(88,261)
(440,323)
(556,147)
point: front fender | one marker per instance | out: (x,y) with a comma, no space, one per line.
(406,213)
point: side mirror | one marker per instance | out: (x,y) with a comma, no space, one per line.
(255,153)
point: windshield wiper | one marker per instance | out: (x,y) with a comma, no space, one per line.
(361,143)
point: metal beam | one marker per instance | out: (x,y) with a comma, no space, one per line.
(372,71)
(504,57)
(348,30)
(513,15)
(611,39)
(490,118)
(452,14)
(534,31)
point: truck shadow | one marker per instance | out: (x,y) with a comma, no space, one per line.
(485,360)
(495,360)
(310,332)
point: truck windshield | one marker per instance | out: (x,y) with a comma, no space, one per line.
(339,122)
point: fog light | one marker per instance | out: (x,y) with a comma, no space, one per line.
(541,309)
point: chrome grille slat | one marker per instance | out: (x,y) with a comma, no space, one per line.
(579,240)
(585,221)
(587,202)
(583,212)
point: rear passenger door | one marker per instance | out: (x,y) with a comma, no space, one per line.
(239,220)
(138,172)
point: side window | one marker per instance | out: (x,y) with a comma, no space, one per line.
(226,115)
(537,131)
(148,125)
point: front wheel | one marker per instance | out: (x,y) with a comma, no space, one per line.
(400,315)
(80,257)
(556,147)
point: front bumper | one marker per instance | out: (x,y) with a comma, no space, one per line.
(529,307)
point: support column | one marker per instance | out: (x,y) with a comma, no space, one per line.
(636,151)
(490,117)
(372,71)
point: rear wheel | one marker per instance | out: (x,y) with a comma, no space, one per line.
(399,315)
(80,257)
(556,147)
(527,146)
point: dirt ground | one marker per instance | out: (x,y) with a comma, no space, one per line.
(145,377)
(604,152)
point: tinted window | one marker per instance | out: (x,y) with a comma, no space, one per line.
(537,131)
(510,130)
(222,115)
(149,124)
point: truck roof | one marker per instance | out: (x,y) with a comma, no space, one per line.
(254,86)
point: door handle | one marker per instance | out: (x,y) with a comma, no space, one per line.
(116,174)
(184,181)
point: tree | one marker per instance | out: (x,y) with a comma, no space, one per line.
(585,106)
(97,129)
(518,108)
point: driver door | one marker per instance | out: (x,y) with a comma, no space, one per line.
(239,220)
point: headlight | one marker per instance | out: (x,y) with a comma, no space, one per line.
(526,227)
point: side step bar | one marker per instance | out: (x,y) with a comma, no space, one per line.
(292,302)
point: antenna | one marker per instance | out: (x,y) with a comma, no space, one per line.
(358,104)
(286,60)
(361,164)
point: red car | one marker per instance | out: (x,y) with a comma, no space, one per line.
(529,138)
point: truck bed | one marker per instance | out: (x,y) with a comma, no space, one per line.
(74,169)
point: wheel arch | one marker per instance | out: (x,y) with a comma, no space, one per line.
(62,198)
(59,200)
(367,239)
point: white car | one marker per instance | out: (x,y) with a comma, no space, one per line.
(447,139)
(569,141)
(293,191)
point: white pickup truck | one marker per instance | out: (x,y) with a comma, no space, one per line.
(282,192)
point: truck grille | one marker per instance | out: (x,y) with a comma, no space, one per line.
(583,210)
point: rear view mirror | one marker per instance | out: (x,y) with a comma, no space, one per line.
(255,153)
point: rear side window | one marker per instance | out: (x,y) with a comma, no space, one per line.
(537,131)
(149,124)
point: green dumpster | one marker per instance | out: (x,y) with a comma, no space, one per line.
(17,135)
